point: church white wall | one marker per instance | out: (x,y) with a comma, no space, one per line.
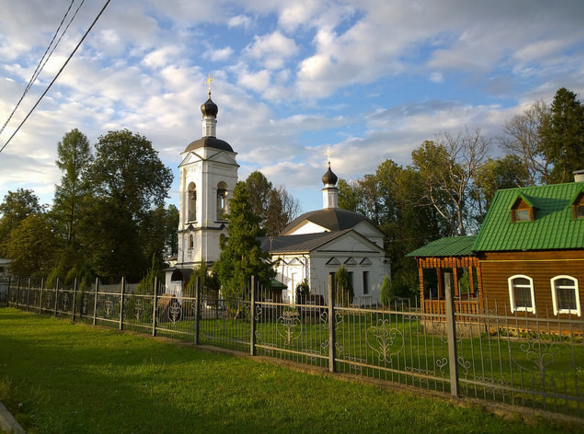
(356,254)
(208,169)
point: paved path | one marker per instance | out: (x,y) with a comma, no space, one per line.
(8,423)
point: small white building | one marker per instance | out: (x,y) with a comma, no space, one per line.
(317,243)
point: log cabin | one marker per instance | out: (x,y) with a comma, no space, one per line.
(527,258)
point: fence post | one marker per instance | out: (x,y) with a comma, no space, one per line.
(452,350)
(331,315)
(122,303)
(154,306)
(252,349)
(41,296)
(57,296)
(17,291)
(197,308)
(9,293)
(95,301)
(28,295)
(74,298)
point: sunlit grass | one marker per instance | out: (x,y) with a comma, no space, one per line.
(59,377)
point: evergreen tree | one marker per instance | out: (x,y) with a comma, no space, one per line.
(387,295)
(75,158)
(344,292)
(241,254)
(563,135)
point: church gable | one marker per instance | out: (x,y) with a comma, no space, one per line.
(190,158)
(352,242)
(221,157)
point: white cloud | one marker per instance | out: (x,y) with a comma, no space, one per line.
(272,50)
(220,55)
(240,21)
(371,78)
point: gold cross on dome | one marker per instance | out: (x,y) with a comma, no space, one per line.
(208,83)
(328,153)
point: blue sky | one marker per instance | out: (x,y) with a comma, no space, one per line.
(372,79)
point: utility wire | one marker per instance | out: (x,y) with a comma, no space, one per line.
(58,73)
(42,62)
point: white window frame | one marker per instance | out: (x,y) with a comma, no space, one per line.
(557,310)
(515,308)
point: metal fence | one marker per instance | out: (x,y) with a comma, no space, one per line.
(521,359)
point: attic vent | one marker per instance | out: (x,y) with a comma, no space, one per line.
(333,261)
(366,261)
(522,210)
(350,261)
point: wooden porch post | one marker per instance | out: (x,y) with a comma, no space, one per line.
(421,280)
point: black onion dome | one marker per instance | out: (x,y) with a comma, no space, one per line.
(329,177)
(209,142)
(209,108)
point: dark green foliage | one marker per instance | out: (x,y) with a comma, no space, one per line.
(349,197)
(208,281)
(302,291)
(344,292)
(30,245)
(563,135)
(73,193)
(241,255)
(130,183)
(506,172)
(273,204)
(16,207)
(386,292)
(146,285)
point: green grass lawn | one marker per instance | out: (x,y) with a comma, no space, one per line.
(60,377)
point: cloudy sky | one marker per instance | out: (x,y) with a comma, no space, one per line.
(371,79)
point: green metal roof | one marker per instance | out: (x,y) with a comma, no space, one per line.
(452,246)
(553,227)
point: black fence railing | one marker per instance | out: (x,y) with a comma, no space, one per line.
(521,359)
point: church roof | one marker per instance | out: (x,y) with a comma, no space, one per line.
(209,142)
(298,243)
(333,219)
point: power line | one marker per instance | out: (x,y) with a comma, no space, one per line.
(42,64)
(58,73)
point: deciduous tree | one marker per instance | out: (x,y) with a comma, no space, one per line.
(523,140)
(31,247)
(15,208)
(448,167)
(128,180)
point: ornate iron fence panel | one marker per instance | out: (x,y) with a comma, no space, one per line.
(521,359)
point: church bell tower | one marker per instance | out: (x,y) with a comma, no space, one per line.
(208,174)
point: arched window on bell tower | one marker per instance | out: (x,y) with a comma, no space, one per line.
(191,242)
(221,200)
(192,202)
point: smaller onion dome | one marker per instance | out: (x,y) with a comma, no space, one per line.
(209,108)
(329,177)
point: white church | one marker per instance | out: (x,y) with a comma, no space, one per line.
(311,247)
